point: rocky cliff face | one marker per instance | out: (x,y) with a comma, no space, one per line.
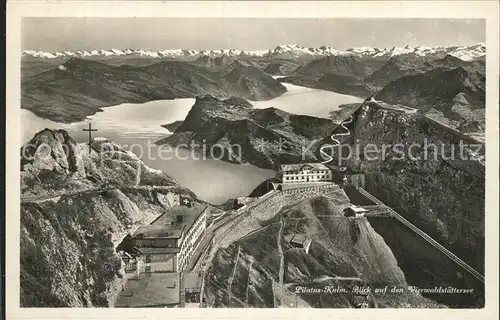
(76,207)
(431,184)
(263,137)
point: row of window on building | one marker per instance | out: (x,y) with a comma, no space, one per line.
(304,178)
(308,172)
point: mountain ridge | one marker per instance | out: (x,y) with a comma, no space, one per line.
(80,87)
(290,50)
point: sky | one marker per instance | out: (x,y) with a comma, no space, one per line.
(58,34)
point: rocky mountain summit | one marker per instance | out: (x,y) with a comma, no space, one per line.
(413,185)
(76,207)
(411,181)
(344,253)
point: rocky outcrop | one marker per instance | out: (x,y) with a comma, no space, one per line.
(343,112)
(172,126)
(53,151)
(233,131)
(76,207)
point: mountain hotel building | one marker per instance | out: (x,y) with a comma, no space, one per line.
(304,173)
(168,243)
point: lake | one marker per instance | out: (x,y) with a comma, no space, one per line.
(137,126)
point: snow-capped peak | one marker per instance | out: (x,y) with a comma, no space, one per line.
(469,53)
(296,50)
(284,50)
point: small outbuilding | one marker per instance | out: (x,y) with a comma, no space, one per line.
(354,211)
(300,241)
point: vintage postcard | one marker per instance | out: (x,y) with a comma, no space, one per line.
(285,156)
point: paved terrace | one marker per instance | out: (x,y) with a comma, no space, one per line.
(154,290)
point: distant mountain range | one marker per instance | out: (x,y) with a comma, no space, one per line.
(447,83)
(466,53)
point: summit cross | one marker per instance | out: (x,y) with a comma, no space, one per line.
(90,133)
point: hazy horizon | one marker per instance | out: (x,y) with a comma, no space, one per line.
(59,34)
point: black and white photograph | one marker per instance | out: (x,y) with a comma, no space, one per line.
(253,162)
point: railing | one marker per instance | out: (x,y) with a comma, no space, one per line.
(313,187)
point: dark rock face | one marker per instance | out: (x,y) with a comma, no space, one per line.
(76,207)
(79,87)
(440,192)
(264,137)
(281,67)
(249,82)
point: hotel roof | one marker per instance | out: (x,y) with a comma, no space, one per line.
(301,166)
(148,250)
(167,227)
